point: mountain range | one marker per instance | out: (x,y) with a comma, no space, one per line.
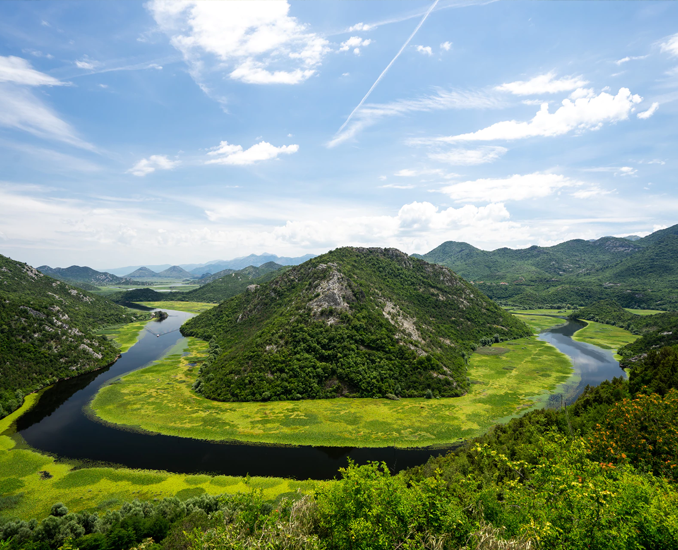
(84,277)
(642,272)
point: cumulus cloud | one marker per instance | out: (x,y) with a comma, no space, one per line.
(514,188)
(543,84)
(670,46)
(447,46)
(586,113)
(426,50)
(470,157)
(254,42)
(354,43)
(234,155)
(652,110)
(151,164)
(359,27)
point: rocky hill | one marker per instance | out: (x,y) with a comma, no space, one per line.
(354,322)
(142,273)
(175,272)
(46,331)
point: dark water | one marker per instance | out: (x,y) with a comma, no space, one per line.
(58,425)
(592,363)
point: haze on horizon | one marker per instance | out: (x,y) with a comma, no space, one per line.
(184,132)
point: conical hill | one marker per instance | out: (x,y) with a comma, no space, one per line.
(361,322)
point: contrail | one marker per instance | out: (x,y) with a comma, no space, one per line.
(388,66)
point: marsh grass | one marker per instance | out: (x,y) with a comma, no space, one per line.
(604,336)
(189,307)
(124,336)
(540,321)
(159,399)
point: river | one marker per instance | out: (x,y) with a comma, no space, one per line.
(58,425)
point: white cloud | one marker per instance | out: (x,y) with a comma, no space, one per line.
(151,164)
(470,157)
(21,109)
(426,50)
(229,154)
(447,46)
(355,43)
(514,188)
(616,170)
(255,42)
(86,64)
(594,191)
(371,113)
(38,53)
(652,110)
(586,113)
(533,102)
(409,173)
(19,71)
(543,84)
(671,45)
(631,58)
(359,27)
(394,186)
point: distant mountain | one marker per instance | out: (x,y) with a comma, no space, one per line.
(123,271)
(251,260)
(632,238)
(217,288)
(78,275)
(209,277)
(642,273)
(47,331)
(175,272)
(142,273)
(362,322)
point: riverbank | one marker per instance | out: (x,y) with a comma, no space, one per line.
(506,380)
(604,336)
(188,307)
(31,482)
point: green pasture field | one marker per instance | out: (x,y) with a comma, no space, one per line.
(540,322)
(563,312)
(30,482)
(508,379)
(644,311)
(604,336)
(124,336)
(189,307)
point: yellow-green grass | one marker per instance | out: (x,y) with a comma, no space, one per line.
(507,380)
(563,312)
(25,492)
(125,336)
(189,307)
(604,336)
(644,311)
(540,322)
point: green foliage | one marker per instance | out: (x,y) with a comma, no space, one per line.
(636,274)
(47,331)
(657,372)
(353,322)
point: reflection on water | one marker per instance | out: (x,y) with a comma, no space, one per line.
(593,364)
(58,425)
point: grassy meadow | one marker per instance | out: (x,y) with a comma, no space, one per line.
(540,322)
(644,311)
(189,307)
(30,482)
(507,380)
(604,336)
(124,336)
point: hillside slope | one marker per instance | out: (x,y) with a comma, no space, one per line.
(356,321)
(639,273)
(46,331)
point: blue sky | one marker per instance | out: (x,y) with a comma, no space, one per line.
(182,131)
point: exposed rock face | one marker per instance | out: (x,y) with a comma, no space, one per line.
(356,322)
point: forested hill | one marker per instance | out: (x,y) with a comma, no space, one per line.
(46,331)
(78,275)
(219,287)
(638,273)
(356,321)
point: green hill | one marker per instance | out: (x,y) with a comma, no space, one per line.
(356,322)
(46,331)
(175,272)
(641,273)
(84,277)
